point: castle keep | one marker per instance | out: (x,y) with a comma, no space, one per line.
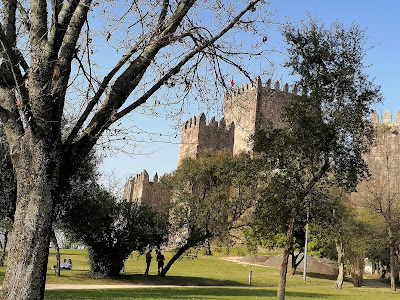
(246,109)
(254,106)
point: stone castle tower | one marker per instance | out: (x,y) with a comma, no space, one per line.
(141,190)
(246,109)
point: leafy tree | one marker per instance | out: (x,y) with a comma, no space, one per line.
(324,131)
(111,230)
(211,195)
(67,199)
(343,236)
(273,238)
(47,47)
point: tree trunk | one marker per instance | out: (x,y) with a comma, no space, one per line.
(392,261)
(381,270)
(173,259)
(57,251)
(396,261)
(283,273)
(340,261)
(295,263)
(36,162)
(3,254)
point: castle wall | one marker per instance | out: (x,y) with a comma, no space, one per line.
(190,138)
(141,190)
(383,163)
(134,187)
(198,136)
(252,107)
(240,108)
(271,103)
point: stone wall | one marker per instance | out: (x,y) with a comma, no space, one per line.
(141,190)
(252,107)
(383,162)
(198,136)
(240,108)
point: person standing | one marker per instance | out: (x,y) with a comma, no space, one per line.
(148,262)
(160,261)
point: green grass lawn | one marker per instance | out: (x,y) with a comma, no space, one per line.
(225,293)
(229,281)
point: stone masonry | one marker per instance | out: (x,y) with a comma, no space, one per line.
(384,163)
(141,190)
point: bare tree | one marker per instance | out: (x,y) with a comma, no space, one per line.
(47,48)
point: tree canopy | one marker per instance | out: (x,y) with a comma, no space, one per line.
(324,130)
(210,196)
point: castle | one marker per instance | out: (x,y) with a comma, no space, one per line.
(246,108)
(251,107)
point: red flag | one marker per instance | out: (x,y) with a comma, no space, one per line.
(232,82)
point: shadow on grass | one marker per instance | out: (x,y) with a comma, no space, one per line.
(174,280)
(318,275)
(177,293)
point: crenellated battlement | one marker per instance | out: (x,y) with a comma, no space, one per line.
(387,118)
(257,84)
(141,190)
(141,177)
(200,121)
(197,135)
(255,105)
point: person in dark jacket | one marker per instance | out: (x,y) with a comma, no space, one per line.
(160,261)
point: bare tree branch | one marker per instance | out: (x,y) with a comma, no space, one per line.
(108,114)
(62,68)
(38,32)
(178,67)
(163,14)
(101,90)
(24,14)
(65,11)
(82,67)
(12,60)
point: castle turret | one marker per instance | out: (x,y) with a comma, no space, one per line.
(254,107)
(200,136)
(140,190)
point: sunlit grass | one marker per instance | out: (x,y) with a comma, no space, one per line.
(225,293)
(213,277)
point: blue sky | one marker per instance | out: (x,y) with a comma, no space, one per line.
(382,24)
